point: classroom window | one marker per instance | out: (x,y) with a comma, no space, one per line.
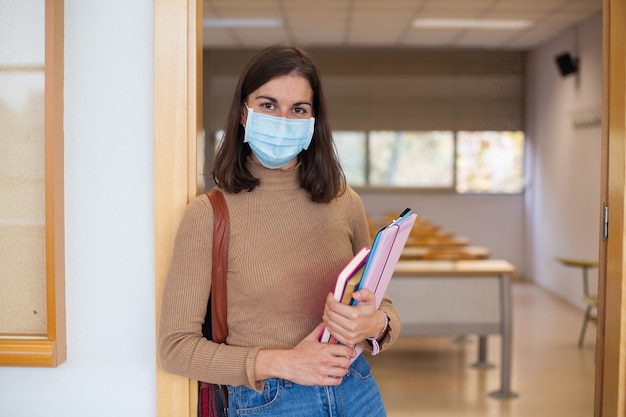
(464,161)
(352,150)
(490,162)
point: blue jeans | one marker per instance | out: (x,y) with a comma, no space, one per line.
(357,396)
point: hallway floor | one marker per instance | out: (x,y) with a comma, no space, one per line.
(424,376)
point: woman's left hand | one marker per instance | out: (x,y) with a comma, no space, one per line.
(353,324)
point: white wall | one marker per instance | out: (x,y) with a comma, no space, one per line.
(563,205)
(110,370)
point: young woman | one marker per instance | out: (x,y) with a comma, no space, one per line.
(294,224)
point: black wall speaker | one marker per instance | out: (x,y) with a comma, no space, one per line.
(567,64)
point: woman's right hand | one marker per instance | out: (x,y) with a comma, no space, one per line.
(310,362)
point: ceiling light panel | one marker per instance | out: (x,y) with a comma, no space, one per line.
(475,24)
(242,22)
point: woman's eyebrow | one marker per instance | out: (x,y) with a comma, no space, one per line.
(268,98)
(275,101)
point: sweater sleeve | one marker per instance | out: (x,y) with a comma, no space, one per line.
(393,329)
(181,346)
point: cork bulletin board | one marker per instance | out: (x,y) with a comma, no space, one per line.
(32,304)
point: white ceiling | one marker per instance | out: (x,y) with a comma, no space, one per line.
(388,23)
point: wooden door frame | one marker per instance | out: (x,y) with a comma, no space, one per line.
(178,125)
(610,359)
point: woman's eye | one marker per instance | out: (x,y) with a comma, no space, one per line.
(267,106)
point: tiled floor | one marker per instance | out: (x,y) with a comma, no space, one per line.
(553,377)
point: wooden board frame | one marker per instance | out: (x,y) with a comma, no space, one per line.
(49,350)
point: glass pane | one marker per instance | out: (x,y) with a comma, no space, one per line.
(351,148)
(490,162)
(22,169)
(412,159)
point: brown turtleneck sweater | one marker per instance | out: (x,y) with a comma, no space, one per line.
(285,252)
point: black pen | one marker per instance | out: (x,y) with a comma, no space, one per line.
(404,212)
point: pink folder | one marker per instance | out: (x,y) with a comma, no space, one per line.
(386,250)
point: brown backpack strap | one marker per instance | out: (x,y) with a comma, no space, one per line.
(221,235)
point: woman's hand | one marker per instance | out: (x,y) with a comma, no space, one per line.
(353,324)
(308,363)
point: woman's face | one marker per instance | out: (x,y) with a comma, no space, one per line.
(287,96)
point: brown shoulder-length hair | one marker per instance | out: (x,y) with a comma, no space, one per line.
(320,172)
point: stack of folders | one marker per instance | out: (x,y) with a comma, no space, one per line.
(347,280)
(373,267)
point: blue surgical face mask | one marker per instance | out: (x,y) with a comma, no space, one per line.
(277,140)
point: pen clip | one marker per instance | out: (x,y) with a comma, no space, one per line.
(403,214)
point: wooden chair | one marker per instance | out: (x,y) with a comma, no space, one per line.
(590,300)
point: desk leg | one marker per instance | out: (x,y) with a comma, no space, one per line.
(506,317)
(482,354)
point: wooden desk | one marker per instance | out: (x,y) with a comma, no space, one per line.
(435,242)
(458,298)
(417,252)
